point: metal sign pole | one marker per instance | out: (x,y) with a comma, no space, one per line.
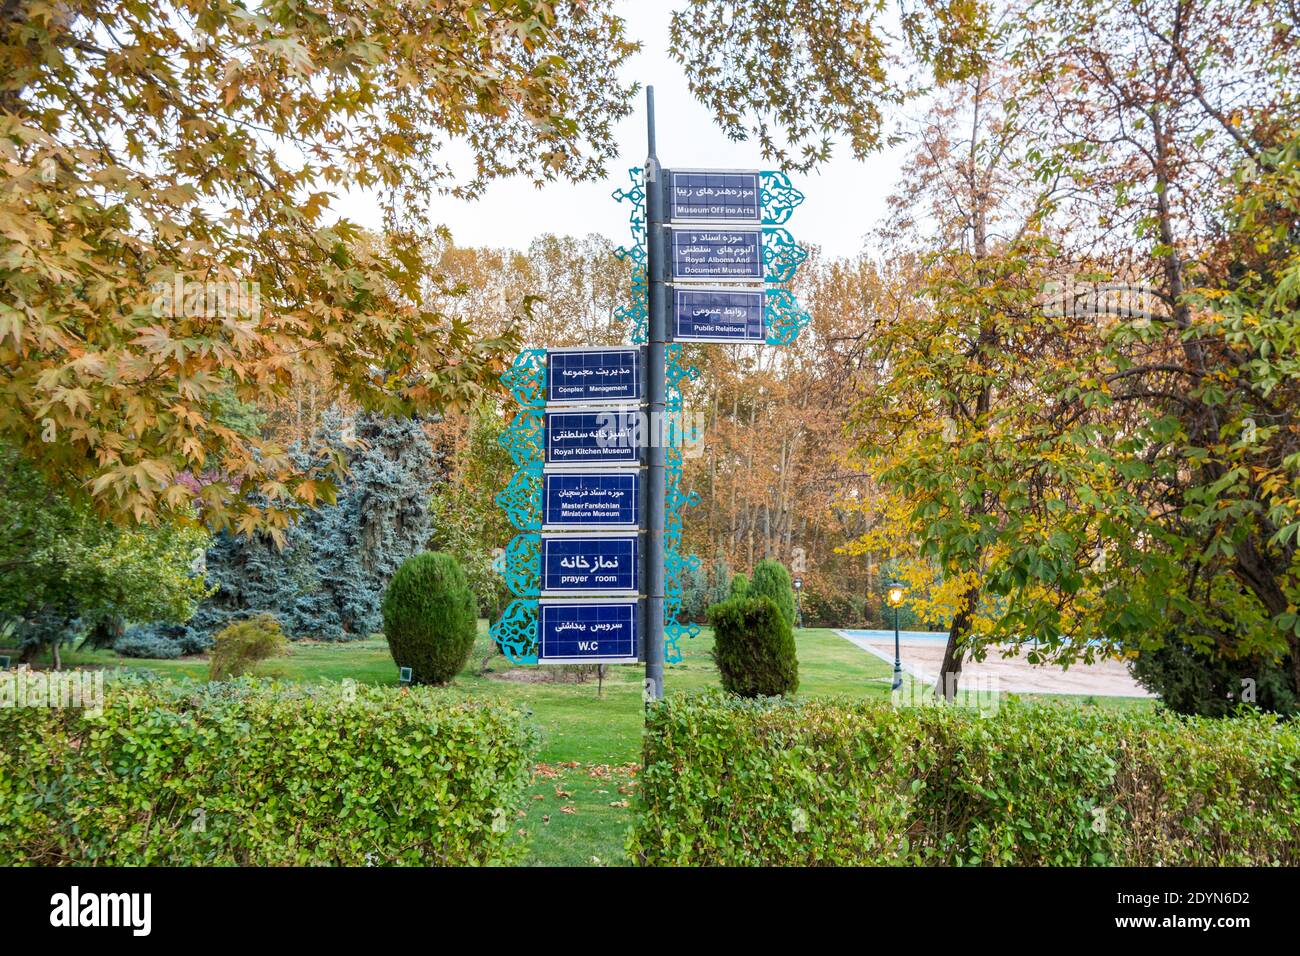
(658,293)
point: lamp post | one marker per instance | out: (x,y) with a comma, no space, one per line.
(895,597)
(798,603)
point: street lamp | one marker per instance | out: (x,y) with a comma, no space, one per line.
(895,597)
(798,604)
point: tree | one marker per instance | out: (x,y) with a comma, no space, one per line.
(794,75)
(1204,378)
(754,648)
(165,229)
(327,578)
(771,580)
(1097,491)
(429,618)
(67,575)
(465,520)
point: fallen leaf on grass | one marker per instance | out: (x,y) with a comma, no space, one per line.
(621,804)
(568,809)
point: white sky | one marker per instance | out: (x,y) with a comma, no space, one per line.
(844,199)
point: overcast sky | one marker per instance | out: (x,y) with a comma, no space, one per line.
(844,198)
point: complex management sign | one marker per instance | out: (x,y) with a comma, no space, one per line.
(592,376)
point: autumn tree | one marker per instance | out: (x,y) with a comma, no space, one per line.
(1176,123)
(166,241)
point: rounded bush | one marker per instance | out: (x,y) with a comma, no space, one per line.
(753,647)
(430,617)
(739,585)
(242,644)
(772,580)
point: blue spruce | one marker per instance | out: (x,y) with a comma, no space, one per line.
(328,579)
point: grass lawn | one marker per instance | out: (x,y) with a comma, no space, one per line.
(577,811)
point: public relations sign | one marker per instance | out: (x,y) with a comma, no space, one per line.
(590,564)
(588,633)
(586,500)
(592,376)
(719,315)
(593,437)
(715,196)
(717,255)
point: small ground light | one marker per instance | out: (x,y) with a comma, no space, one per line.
(894,595)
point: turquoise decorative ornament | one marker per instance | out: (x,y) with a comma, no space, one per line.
(526,378)
(516,632)
(785,320)
(778,197)
(637,312)
(520,565)
(782,256)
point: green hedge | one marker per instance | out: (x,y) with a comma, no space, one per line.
(730,782)
(257,773)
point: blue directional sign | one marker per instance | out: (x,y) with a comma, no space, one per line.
(714,195)
(587,376)
(590,564)
(717,254)
(604,633)
(719,315)
(584,500)
(593,436)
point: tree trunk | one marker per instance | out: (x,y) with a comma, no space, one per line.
(950,669)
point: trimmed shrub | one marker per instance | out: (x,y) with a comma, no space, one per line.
(277,775)
(145,641)
(430,617)
(1193,681)
(739,585)
(237,647)
(825,608)
(753,647)
(772,580)
(730,782)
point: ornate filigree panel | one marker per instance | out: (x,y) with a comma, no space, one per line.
(778,197)
(785,320)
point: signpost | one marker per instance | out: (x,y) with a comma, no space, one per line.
(707,254)
(590,564)
(572,632)
(593,436)
(592,506)
(592,376)
(719,314)
(715,196)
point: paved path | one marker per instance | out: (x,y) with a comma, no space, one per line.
(922,653)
